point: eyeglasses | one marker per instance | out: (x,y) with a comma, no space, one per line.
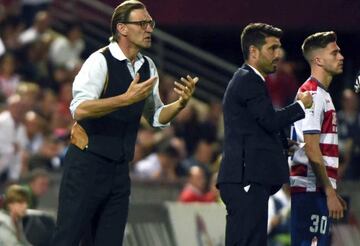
(143,24)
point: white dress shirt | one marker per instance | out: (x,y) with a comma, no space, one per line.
(89,82)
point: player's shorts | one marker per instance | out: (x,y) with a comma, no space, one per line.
(310,222)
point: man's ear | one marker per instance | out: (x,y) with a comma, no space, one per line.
(122,29)
(318,61)
(253,52)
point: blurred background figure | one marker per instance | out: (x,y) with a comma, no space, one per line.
(349,136)
(66,50)
(15,205)
(279,218)
(9,79)
(31,7)
(37,186)
(12,138)
(48,156)
(39,30)
(283,84)
(160,165)
(35,130)
(196,188)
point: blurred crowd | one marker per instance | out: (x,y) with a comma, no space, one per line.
(37,67)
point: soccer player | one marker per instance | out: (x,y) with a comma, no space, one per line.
(314,201)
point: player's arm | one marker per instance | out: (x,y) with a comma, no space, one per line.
(335,203)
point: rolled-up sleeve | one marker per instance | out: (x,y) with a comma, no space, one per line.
(153,104)
(89,82)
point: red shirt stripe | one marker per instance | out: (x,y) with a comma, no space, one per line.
(310,85)
(299,170)
(328,125)
(330,150)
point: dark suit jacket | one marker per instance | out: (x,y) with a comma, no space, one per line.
(252,147)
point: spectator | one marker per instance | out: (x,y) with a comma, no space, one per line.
(66,51)
(47,104)
(61,118)
(195,189)
(35,66)
(12,138)
(159,166)
(349,132)
(15,205)
(35,126)
(202,158)
(37,186)
(279,218)
(40,27)
(187,126)
(48,155)
(10,31)
(31,7)
(282,85)
(9,79)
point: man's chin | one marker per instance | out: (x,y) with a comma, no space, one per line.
(146,45)
(272,70)
(337,72)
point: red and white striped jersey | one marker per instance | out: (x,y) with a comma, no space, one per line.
(319,119)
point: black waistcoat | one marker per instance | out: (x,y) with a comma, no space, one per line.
(113,136)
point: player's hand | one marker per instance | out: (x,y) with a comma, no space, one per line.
(342,201)
(139,91)
(292,146)
(305,98)
(357,83)
(335,205)
(185,89)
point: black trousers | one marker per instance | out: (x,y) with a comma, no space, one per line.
(94,191)
(247,213)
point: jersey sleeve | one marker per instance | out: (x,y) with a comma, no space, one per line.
(314,115)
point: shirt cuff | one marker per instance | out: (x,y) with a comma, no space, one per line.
(74,105)
(156,122)
(301,104)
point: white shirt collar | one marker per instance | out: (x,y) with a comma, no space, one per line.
(119,54)
(257,72)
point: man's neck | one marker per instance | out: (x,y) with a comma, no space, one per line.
(256,70)
(253,64)
(129,51)
(323,77)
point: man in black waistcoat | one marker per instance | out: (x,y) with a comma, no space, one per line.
(108,102)
(253,164)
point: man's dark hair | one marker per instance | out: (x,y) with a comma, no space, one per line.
(36,173)
(255,34)
(167,148)
(317,41)
(122,13)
